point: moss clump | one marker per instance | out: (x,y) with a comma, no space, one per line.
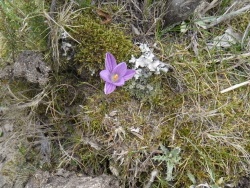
(95,39)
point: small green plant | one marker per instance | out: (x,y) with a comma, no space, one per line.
(22,26)
(171,158)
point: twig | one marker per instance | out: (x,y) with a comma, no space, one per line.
(227,16)
(232,5)
(245,55)
(51,14)
(154,173)
(235,86)
(52,9)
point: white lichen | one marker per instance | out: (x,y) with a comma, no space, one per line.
(146,66)
(148,61)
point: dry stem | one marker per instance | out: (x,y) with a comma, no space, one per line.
(227,16)
(235,86)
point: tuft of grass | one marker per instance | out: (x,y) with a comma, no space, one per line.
(207,125)
(22,26)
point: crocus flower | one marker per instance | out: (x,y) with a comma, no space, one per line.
(115,75)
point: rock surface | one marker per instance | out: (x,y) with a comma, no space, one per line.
(179,10)
(64,179)
(29,65)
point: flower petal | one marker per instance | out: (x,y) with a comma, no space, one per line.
(105,75)
(109,88)
(110,62)
(129,74)
(120,82)
(120,69)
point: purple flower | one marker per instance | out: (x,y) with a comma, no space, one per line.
(115,75)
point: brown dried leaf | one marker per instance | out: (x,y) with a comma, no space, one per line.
(106,17)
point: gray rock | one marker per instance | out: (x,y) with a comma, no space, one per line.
(65,179)
(179,10)
(29,65)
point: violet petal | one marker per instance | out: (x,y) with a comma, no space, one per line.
(105,75)
(109,88)
(129,74)
(120,69)
(120,82)
(110,62)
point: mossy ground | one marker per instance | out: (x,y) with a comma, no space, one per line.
(95,40)
(93,133)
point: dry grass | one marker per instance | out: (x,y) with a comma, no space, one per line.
(84,130)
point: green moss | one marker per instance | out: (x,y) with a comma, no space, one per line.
(95,40)
(84,3)
(240,26)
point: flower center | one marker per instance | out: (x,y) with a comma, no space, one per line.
(114,77)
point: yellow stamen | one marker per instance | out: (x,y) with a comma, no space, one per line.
(115,77)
